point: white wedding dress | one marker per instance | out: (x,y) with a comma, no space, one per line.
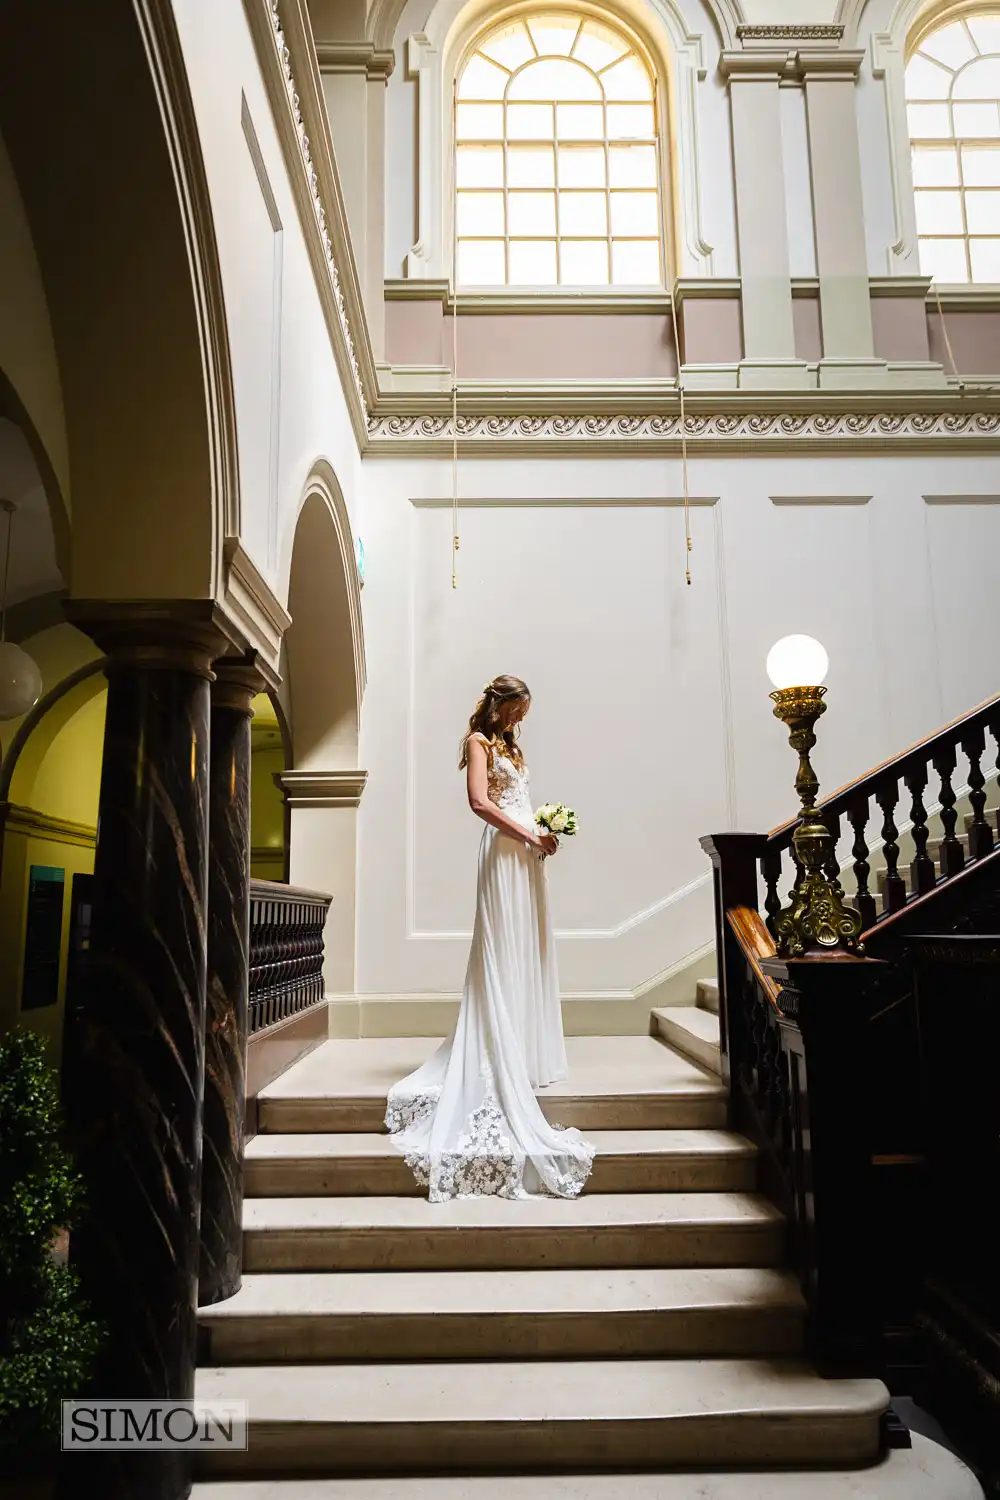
(468,1121)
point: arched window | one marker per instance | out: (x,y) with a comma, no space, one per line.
(953,108)
(556,158)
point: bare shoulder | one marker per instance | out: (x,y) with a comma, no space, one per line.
(480,740)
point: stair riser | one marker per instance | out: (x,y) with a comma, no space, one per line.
(303,1339)
(391,1177)
(491,1249)
(708,996)
(705,1054)
(628,1112)
(380,1447)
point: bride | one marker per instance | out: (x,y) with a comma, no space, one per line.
(468,1121)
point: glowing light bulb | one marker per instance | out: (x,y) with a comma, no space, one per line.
(797,661)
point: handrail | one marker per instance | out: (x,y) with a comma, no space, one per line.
(919,753)
(757,944)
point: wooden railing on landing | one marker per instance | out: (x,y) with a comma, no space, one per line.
(286,951)
(822,1056)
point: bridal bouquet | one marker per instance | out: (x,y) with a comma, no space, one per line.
(557,818)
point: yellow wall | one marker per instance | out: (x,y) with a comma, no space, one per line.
(267,816)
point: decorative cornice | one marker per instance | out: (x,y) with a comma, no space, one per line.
(791,64)
(376,63)
(38,825)
(799,431)
(789,33)
(321,788)
(254,606)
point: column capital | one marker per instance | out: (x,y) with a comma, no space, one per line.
(238,680)
(842,65)
(376,63)
(790,65)
(179,635)
(321,788)
(757,66)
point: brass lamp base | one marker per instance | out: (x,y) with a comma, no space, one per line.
(817,919)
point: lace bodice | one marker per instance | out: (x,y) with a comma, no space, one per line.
(507,786)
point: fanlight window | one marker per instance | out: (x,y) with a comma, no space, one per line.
(556,158)
(953,107)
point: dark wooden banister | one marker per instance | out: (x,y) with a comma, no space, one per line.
(286,951)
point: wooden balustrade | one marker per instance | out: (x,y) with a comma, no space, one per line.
(822,1055)
(286,951)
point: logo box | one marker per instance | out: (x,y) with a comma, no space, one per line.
(148,1426)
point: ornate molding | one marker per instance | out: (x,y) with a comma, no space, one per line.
(790,33)
(432,433)
(250,601)
(321,788)
(376,63)
(31,823)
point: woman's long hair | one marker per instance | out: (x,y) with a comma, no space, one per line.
(486,717)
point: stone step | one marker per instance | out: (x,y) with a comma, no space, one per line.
(628,1161)
(601,1229)
(504,1315)
(708,995)
(573,1415)
(691,1031)
(614,1083)
(923,1472)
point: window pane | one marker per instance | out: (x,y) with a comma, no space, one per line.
(554,34)
(928,122)
(939,213)
(597,46)
(479,122)
(977,119)
(982,212)
(627,79)
(530,166)
(584,262)
(944,260)
(980,166)
(480,213)
(529,122)
(510,46)
(951,45)
(926,79)
(630,121)
(633,166)
(581,166)
(935,168)
(554,78)
(980,80)
(985,259)
(481,263)
(635,262)
(479,166)
(633,213)
(583,213)
(580,122)
(985,32)
(482,80)
(531,213)
(533,262)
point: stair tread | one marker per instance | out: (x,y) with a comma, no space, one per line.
(925,1472)
(590,1211)
(700,1023)
(326,1145)
(481,1293)
(385,1395)
(599,1067)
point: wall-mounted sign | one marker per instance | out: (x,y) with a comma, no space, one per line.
(43,937)
(359,548)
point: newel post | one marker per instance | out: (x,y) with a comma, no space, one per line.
(825,1006)
(735,858)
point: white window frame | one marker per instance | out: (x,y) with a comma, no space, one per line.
(676,59)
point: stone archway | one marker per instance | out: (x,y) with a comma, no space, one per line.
(322,692)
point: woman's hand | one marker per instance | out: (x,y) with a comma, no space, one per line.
(546,842)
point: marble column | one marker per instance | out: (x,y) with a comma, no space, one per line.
(237,681)
(134,1081)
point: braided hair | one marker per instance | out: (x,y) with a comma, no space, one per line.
(486,717)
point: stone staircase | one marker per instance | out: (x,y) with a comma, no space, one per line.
(649,1324)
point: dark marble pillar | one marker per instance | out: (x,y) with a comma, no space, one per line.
(228,941)
(135,1080)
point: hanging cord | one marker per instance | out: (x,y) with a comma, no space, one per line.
(9,508)
(684,445)
(454,346)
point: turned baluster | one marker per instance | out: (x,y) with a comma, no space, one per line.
(770,869)
(922,871)
(994,728)
(952,857)
(858,814)
(832,867)
(887,796)
(980,833)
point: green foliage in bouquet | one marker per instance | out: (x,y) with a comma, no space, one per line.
(557,818)
(48,1341)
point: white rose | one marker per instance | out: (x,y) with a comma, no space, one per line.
(559,823)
